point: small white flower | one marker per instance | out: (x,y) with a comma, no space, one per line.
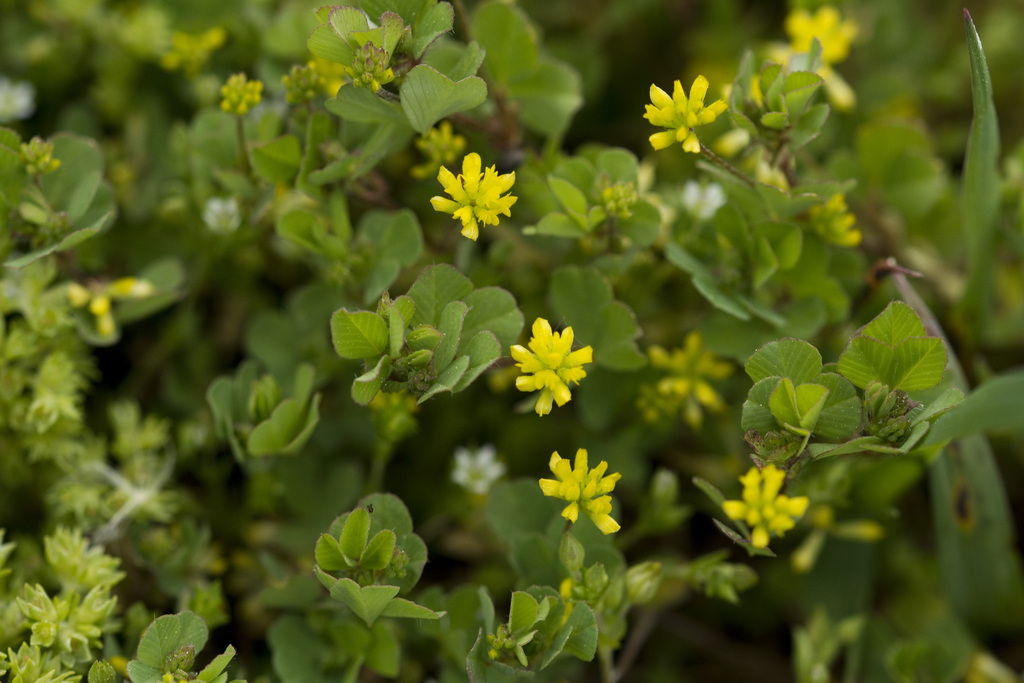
(702,202)
(222,214)
(476,471)
(17,100)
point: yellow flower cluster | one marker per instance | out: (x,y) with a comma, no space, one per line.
(828,26)
(37,156)
(302,83)
(370,68)
(835,35)
(99,300)
(475,197)
(681,114)
(190,52)
(834,223)
(440,146)
(240,94)
(763,509)
(584,489)
(550,364)
(685,386)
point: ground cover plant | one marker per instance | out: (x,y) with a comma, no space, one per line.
(417,340)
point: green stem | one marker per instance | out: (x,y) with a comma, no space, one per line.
(243,154)
(723,164)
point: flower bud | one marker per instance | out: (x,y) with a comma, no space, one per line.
(423,337)
(571,552)
(263,398)
(642,582)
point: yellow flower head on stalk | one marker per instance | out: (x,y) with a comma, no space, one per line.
(834,223)
(584,489)
(550,364)
(475,197)
(190,52)
(763,509)
(828,26)
(440,146)
(685,386)
(240,94)
(681,114)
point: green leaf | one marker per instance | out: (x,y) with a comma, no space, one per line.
(367,602)
(509,40)
(287,429)
(583,298)
(981,187)
(493,309)
(548,97)
(366,386)
(797,407)
(895,324)
(558,225)
(809,125)
(455,60)
(792,358)
(435,22)
(326,43)
(328,554)
(975,532)
(72,187)
(277,161)
(433,289)
(841,415)
(361,334)
(212,671)
(483,350)
(569,196)
(890,350)
(523,613)
(800,86)
(448,378)
(450,325)
(354,534)
(756,413)
(405,609)
(362,106)
(710,490)
(395,240)
(992,407)
(169,633)
(429,96)
(346,20)
(377,554)
(775,119)
(396,334)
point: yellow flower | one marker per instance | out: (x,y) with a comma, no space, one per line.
(827,25)
(550,364)
(190,52)
(681,114)
(763,508)
(475,196)
(583,488)
(240,94)
(440,147)
(685,387)
(834,223)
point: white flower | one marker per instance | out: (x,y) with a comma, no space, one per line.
(17,100)
(702,202)
(476,471)
(222,214)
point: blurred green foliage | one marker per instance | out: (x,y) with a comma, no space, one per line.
(239,349)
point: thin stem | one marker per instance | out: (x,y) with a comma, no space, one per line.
(243,154)
(463,19)
(638,635)
(605,656)
(723,164)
